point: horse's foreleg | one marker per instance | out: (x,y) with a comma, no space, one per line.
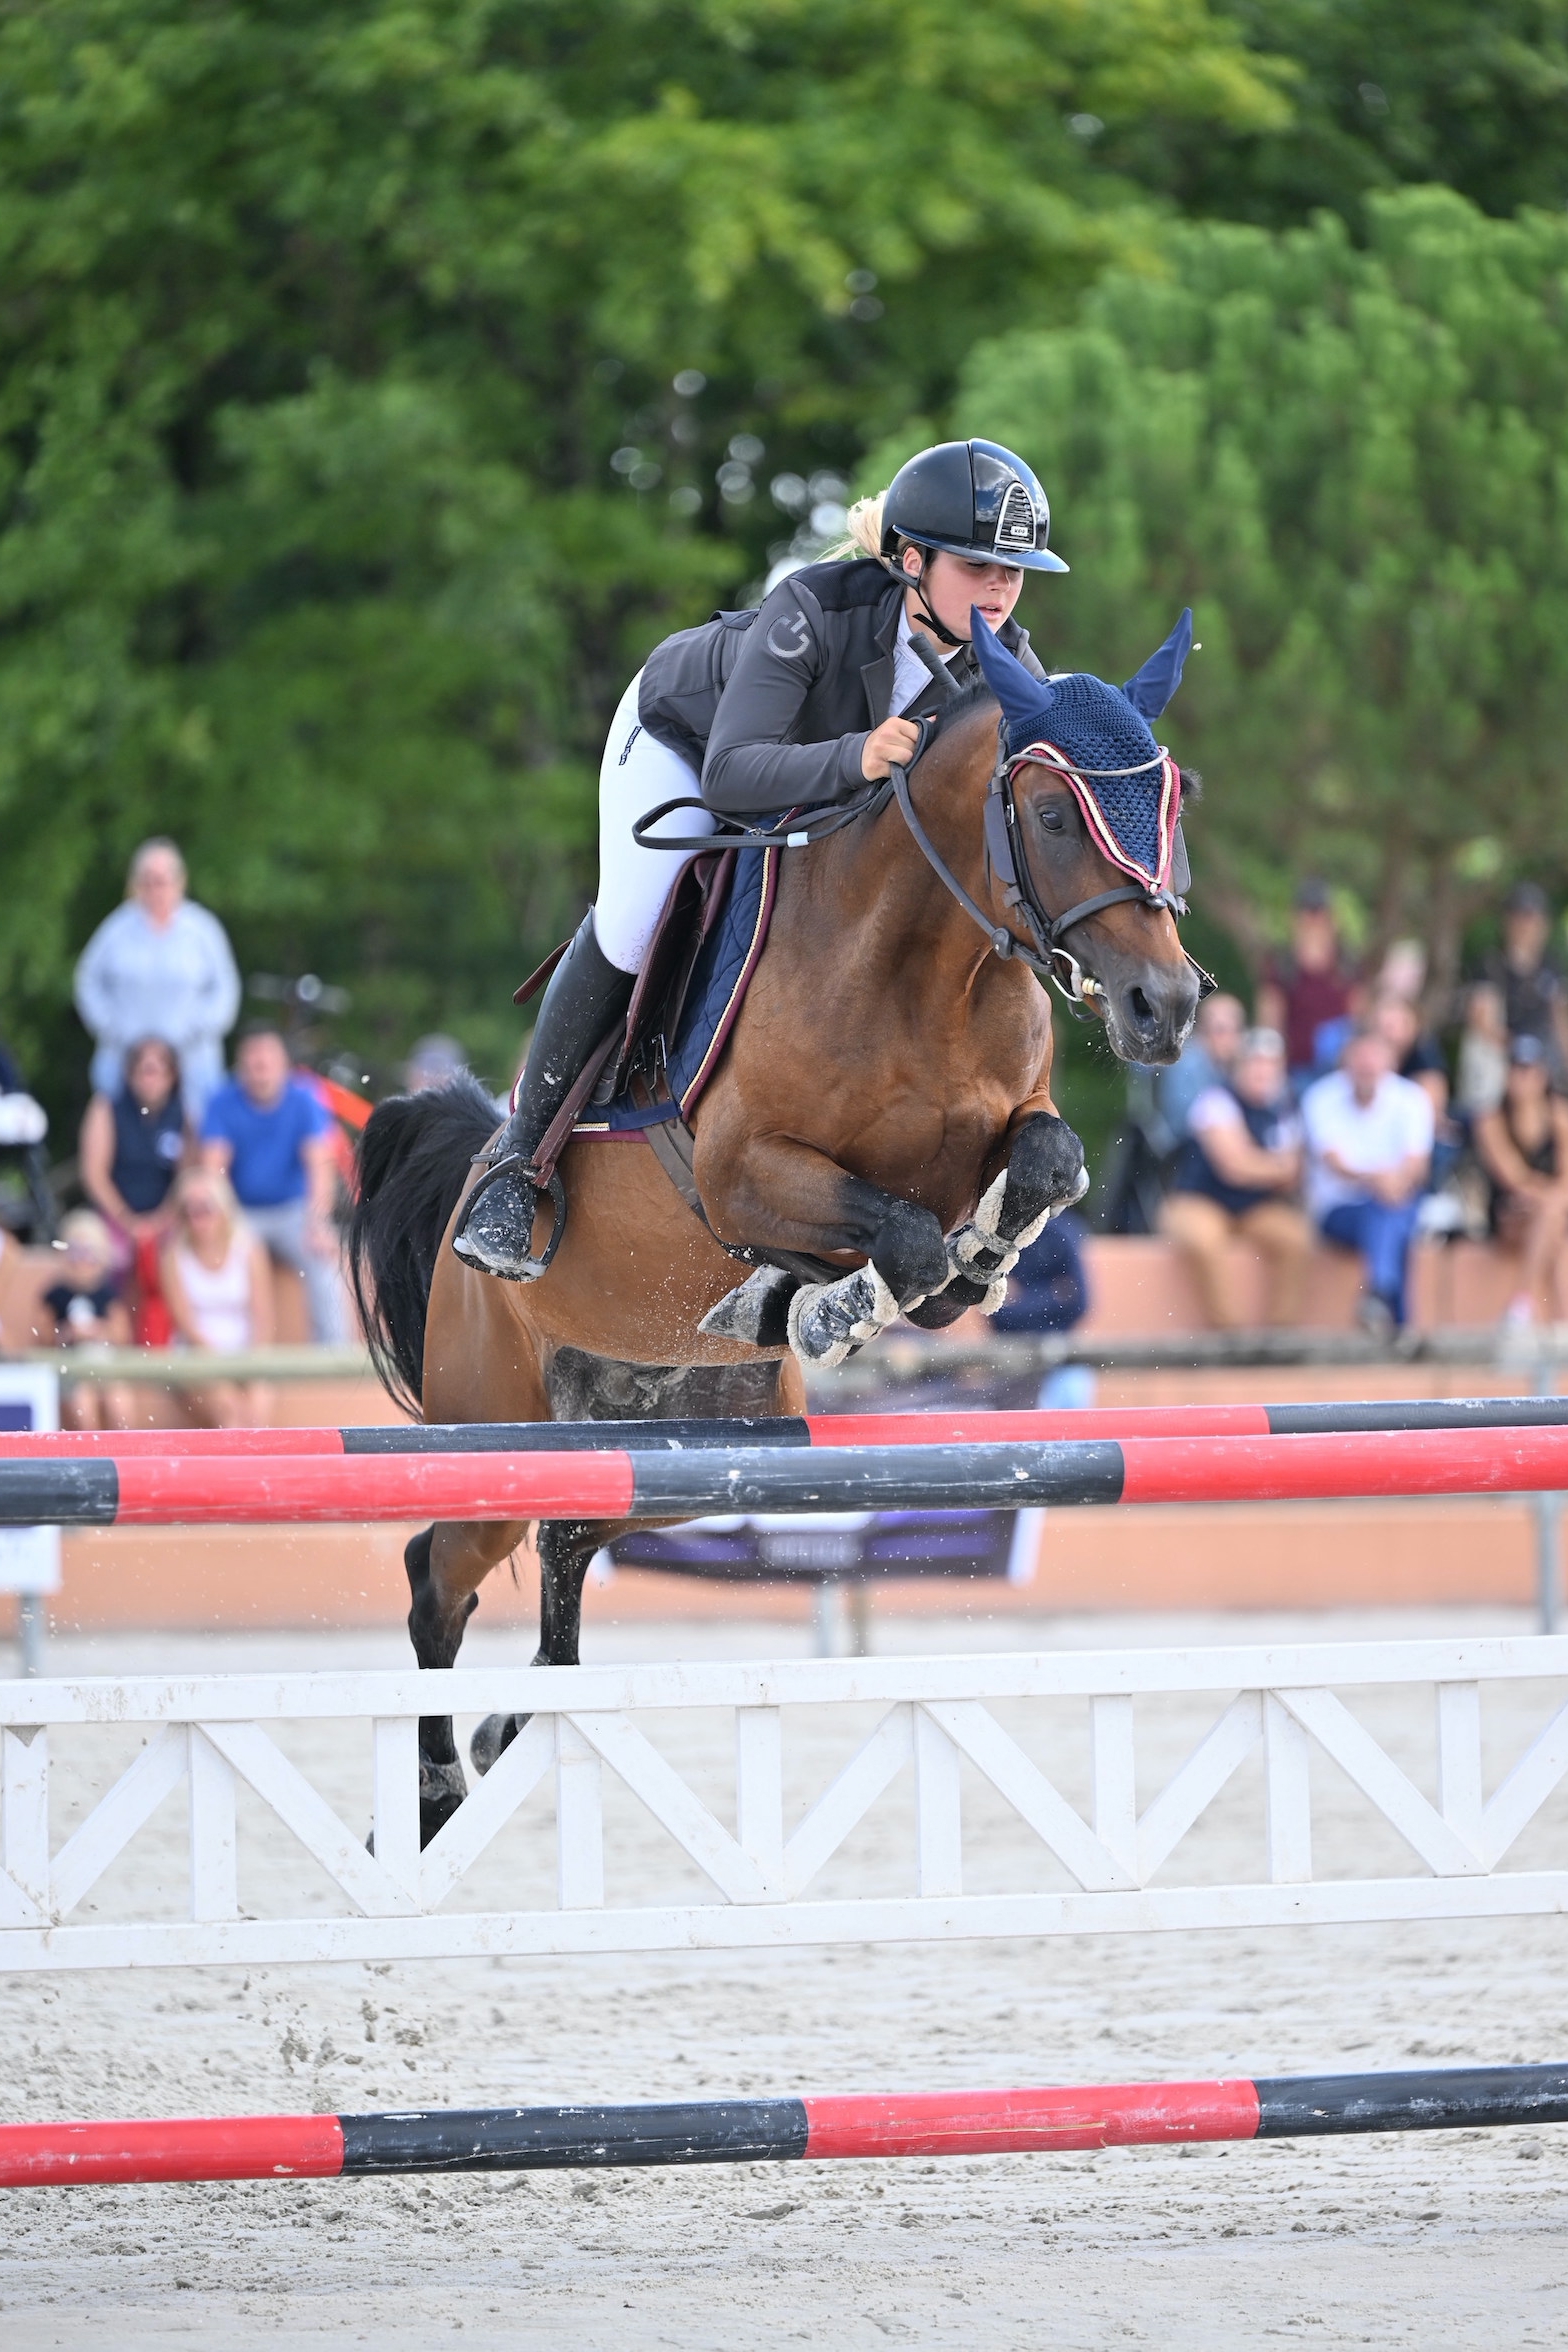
(446,1565)
(783,1194)
(1044,1173)
(566,1547)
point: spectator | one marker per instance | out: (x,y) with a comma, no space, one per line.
(1534,1003)
(1483,1051)
(218,1283)
(1369,1143)
(1417,1054)
(1310,987)
(433,1061)
(1523,1146)
(159,966)
(268,1133)
(130,1153)
(1205,1061)
(87,1309)
(24,1124)
(1235,1177)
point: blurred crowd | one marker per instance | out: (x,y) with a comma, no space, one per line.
(200,1178)
(1336,1115)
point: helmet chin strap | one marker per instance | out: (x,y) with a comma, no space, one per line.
(915,582)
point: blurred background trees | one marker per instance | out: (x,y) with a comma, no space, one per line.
(379,380)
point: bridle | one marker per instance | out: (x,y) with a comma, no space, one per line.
(1044,950)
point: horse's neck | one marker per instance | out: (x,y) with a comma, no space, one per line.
(909,928)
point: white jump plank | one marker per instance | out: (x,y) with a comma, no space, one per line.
(305,1811)
(848,1798)
(939,1830)
(1288,1795)
(115,1819)
(486,1810)
(1460,1798)
(24,1827)
(759,1794)
(394,1798)
(213,1833)
(1379,1778)
(1114,1783)
(1016,1777)
(579,1820)
(1526,1789)
(1193,1788)
(652,1779)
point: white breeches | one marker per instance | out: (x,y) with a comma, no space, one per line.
(636,774)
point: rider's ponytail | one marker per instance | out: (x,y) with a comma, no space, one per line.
(863,528)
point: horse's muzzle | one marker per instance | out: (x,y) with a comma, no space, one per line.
(1150,1012)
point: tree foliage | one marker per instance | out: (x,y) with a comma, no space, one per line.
(365,370)
(1353,463)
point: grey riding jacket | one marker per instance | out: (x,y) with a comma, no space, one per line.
(774,706)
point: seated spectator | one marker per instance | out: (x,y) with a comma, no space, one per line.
(1534,1001)
(268,1133)
(130,1153)
(1483,1051)
(1235,1178)
(1523,1146)
(1311,987)
(87,1309)
(1205,1061)
(1417,1054)
(218,1284)
(1369,1146)
(159,966)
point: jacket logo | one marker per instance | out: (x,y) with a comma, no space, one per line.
(790,638)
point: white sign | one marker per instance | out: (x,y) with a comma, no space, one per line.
(29,1556)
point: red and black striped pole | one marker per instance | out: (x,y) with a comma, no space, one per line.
(1330,1419)
(743,2131)
(246,1490)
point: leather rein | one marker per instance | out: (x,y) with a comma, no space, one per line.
(1044,951)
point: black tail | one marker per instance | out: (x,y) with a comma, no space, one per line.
(413,1158)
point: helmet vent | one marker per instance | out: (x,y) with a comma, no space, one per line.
(1015,525)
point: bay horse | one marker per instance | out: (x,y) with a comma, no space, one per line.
(882,1107)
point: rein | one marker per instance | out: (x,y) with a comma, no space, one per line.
(1047,957)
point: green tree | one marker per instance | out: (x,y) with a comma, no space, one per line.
(379,378)
(1384,92)
(1353,464)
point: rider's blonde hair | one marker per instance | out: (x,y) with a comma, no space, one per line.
(863,528)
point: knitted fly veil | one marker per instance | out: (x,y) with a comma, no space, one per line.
(1097,738)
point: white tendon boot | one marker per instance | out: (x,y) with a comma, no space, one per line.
(828,1321)
(978,1251)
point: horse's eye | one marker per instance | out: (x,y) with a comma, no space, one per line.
(1052,820)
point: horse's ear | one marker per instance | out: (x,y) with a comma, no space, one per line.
(1152,687)
(1024,699)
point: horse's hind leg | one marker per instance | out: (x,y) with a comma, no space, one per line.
(446,1565)
(566,1547)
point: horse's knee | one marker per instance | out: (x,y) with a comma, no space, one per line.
(1045,1171)
(435,1622)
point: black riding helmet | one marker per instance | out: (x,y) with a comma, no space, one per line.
(971,498)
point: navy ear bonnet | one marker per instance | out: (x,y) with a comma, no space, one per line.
(1085,731)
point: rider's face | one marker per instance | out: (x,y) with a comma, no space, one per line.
(952,584)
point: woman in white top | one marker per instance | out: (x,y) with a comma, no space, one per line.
(218,1285)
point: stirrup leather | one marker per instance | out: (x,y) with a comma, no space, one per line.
(516,1164)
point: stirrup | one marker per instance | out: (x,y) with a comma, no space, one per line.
(516,1165)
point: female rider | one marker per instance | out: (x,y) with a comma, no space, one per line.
(799,704)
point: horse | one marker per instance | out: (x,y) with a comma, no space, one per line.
(879,1138)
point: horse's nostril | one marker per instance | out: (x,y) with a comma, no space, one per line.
(1140,1008)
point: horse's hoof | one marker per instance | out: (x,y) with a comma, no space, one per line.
(442,1789)
(757,1314)
(494,1736)
(828,1321)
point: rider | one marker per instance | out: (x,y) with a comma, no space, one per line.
(800,703)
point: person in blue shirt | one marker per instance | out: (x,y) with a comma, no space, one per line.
(272,1137)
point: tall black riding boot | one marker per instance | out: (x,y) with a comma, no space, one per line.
(586,996)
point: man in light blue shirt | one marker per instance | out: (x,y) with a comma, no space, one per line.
(271,1136)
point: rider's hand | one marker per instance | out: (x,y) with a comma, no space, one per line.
(887,746)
